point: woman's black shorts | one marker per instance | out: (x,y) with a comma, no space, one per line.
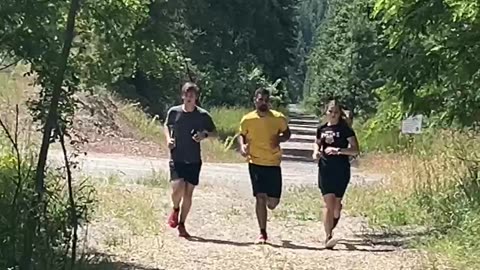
(333,180)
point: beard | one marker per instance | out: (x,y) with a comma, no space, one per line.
(263,108)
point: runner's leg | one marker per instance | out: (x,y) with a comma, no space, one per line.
(329,208)
(192,174)
(337,212)
(185,209)
(186,202)
(261,211)
(178,189)
(274,187)
(261,198)
(326,183)
(340,189)
(178,186)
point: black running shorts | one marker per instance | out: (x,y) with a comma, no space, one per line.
(266,180)
(189,172)
(333,180)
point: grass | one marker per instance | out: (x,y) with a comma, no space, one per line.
(227,120)
(149,127)
(127,220)
(300,203)
(133,208)
(434,183)
(14,90)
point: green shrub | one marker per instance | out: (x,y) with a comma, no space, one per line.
(53,238)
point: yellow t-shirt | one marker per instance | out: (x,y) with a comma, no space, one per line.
(259,132)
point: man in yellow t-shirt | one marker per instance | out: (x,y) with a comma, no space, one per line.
(261,132)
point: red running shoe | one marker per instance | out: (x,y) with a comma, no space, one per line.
(262,239)
(173,218)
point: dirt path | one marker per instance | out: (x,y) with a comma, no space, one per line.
(223,221)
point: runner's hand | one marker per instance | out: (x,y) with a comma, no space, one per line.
(316,155)
(244,150)
(275,142)
(199,136)
(171,143)
(332,150)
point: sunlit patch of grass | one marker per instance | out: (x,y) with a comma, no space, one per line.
(149,127)
(157,179)
(227,120)
(137,209)
(216,151)
(14,91)
(300,203)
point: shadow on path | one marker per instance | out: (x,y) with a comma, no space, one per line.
(218,241)
(102,261)
(363,245)
(349,245)
(394,239)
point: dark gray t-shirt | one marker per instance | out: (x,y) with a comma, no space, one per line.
(181,124)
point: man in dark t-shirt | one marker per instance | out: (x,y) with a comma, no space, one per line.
(186,126)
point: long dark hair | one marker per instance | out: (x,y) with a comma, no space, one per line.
(345,115)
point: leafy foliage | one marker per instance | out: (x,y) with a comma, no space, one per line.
(434,47)
(310,14)
(342,63)
(423,52)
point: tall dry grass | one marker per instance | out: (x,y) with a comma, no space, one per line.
(434,184)
(15,89)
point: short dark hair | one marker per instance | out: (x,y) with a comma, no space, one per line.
(262,91)
(190,87)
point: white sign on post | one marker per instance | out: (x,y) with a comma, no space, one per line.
(412,125)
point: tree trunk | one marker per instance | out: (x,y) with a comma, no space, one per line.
(50,123)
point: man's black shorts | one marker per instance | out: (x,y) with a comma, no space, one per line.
(189,172)
(266,180)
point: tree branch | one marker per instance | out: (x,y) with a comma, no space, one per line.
(9,65)
(71,199)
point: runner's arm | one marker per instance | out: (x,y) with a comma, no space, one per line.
(167,133)
(210,128)
(352,149)
(242,132)
(168,126)
(317,146)
(241,139)
(285,134)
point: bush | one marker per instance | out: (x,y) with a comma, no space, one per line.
(53,238)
